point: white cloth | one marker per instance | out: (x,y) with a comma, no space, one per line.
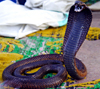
(54,5)
(18,21)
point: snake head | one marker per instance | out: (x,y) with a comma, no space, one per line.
(79,6)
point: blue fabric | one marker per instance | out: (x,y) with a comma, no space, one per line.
(22,2)
(11,0)
(1,0)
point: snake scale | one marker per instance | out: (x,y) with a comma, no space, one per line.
(79,21)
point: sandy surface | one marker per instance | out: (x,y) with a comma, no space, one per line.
(96,19)
(89,53)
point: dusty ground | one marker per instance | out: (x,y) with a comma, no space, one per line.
(96,19)
(89,53)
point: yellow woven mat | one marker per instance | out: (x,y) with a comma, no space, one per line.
(7,58)
(93,33)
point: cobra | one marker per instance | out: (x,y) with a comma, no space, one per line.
(79,21)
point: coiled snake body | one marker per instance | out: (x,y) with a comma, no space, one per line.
(79,21)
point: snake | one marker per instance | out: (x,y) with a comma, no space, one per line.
(79,21)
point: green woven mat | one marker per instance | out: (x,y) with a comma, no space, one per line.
(38,45)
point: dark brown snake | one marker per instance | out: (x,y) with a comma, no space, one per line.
(79,21)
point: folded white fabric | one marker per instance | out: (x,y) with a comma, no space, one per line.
(54,5)
(18,21)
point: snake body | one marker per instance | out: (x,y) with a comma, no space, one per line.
(79,21)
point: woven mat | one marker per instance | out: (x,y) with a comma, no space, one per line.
(48,41)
